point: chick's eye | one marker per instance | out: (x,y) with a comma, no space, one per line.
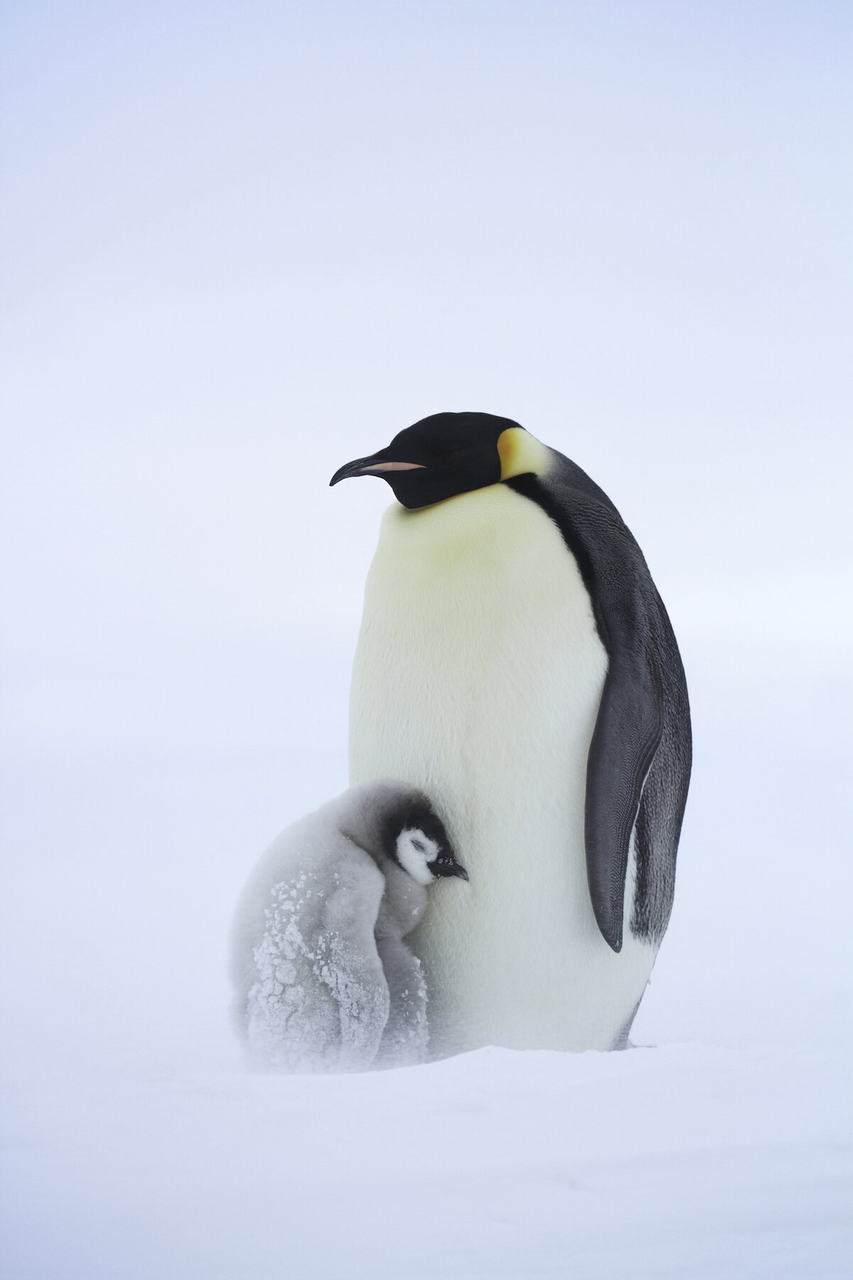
(418,844)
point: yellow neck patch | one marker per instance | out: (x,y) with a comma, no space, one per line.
(521,453)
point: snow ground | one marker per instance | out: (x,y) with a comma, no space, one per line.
(679,1161)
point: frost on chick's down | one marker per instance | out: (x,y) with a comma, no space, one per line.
(311,1008)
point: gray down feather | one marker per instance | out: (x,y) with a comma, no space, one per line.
(323,980)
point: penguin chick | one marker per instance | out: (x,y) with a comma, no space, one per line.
(322,978)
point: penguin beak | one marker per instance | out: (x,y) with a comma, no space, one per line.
(454,870)
(445,867)
(375,466)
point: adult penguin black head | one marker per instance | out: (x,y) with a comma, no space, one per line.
(448,454)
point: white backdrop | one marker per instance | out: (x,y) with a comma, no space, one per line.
(244,243)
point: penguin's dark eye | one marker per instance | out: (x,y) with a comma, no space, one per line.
(418,844)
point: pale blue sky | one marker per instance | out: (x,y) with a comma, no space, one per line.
(244,242)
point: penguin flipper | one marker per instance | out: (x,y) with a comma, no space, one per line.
(406,1034)
(626,736)
(644,678)
(348,963)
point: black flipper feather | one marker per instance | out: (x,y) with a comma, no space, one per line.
(639,760)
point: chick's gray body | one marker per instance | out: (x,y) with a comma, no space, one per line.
(323,980)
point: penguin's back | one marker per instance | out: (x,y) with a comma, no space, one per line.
(478,677)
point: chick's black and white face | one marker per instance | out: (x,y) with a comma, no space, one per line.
(448,454)
(414,837)
(425,857)
(415,851)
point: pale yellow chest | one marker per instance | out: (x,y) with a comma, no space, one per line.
(477,635)
(478,677)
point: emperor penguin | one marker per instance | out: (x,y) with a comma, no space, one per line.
(322,978)
(516,663)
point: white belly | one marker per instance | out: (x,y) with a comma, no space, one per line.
(477,677)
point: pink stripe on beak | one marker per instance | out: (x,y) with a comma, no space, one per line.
(394,466)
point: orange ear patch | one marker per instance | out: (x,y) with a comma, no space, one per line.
(521,453)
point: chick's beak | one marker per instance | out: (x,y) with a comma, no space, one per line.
(457,870)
